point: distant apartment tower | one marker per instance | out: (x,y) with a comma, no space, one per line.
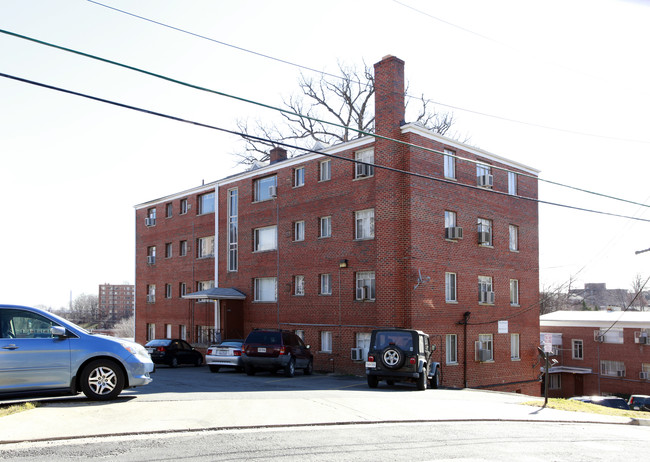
(116,302)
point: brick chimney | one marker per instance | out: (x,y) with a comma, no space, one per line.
(389,96)
(277,155)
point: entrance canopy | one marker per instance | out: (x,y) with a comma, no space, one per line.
(216,293)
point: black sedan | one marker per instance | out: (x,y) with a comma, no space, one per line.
(173,352)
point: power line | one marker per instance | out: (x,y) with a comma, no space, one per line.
(458,108)
(267,106)
(257,138)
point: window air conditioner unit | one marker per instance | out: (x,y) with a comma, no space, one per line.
(643,340)
(484,355)
(151,298)
(486,181)
(483,237)
(620,373)
(363,170)
(644,375)
(356,354)
(486,297)
(598,337)
(273,191)
(455,232)
(151,259)
(149,221)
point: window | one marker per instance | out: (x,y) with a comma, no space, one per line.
(169,210)
(482,170)
(20,324)
(233,208)
(450,164)
(206,203)
(326,284)
(301,334)
(182,249)
(265,188)
(325,170)
(512,183)
(451,349)
(484,231)
(450,219)
(151,331)
(151,293)
(514,292)
(168,331)
(613,335)
(151,255)
(576,349)
(299,285)
(168,291)
(182,332)
(365,285)
(484,348)
(514,347)
(485,293)
(299,231)
(182,289)
(513,232)
(325,227)
(184,207)
(265,239)
(364,170)
(299,177)
(326,342)
(206,247)
(554,381)
(168,250)
(363,342)
(150,220)
(364,227)
(612,368)
(450,287)
(265,289)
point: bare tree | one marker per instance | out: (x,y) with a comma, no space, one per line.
(125,328)
(637,299)
(84,309)
(344,101)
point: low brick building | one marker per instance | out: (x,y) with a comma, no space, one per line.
(598,352)
(423,233)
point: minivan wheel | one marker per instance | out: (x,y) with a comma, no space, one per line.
(290,369)
(102,380)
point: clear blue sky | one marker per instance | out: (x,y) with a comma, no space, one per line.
(71,169)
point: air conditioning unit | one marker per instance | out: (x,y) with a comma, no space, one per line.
(484,237)
(486,181)
(151,298)
(484,355)
(363,170)
(486,297)
(643,340)
(273,191)
(644,375)
(151,259)
(620,373)
(356,354)
(454,232)
(598,337)
(150,221)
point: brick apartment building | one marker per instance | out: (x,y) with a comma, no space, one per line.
(116,302)
(598,352)
(332,248)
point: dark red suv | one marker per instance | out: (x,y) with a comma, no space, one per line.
(274,350)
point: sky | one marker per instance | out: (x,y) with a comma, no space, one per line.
(558,86)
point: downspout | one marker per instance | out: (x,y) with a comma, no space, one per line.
(217,303)
(464,322)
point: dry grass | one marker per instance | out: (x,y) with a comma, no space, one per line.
(579,406)
(15,408)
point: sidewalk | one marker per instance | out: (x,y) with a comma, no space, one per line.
(133,414)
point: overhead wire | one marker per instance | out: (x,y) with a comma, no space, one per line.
(285,111)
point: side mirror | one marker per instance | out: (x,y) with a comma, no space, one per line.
(433,348)
(57,331)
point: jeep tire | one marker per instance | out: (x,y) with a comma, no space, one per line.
(392,357)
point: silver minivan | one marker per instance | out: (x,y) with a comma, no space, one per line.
(42,352)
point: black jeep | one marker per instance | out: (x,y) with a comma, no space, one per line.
(401,355)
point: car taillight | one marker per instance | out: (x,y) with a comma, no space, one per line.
(412,360)
(283,351)
(209,352)
(161,349)
(371,358)
(236,352)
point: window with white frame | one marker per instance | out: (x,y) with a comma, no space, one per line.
(325,227)
(265,239)
(482,170)
(151,331)
(451,349)
(169,250)
(233,224)
(512,183)
(182,332)
(182,289)
(485,348)
(450,287)
(265,188)
(326,341)
(485,292)
(299,231)
(363,170)
(206,247)
(168,291)
(513,240)
(168,331)
(151,255)
(484,227)
(151,217)
(204,285)
(613,335)
(612,368)
(169,210)
(364,224)
(299,285)
(554,381)
(514,347)
(365,284)
(363,342)
(326,284)
(514,292)
(265,289)
(206,203)
(449,160)
(300,333)
(151,293)
(577,349)
(450,219)
(182,248)
(184,207)
(325,170)
(299,177)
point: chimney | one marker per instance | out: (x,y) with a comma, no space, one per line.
(277,155)
(389,95)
